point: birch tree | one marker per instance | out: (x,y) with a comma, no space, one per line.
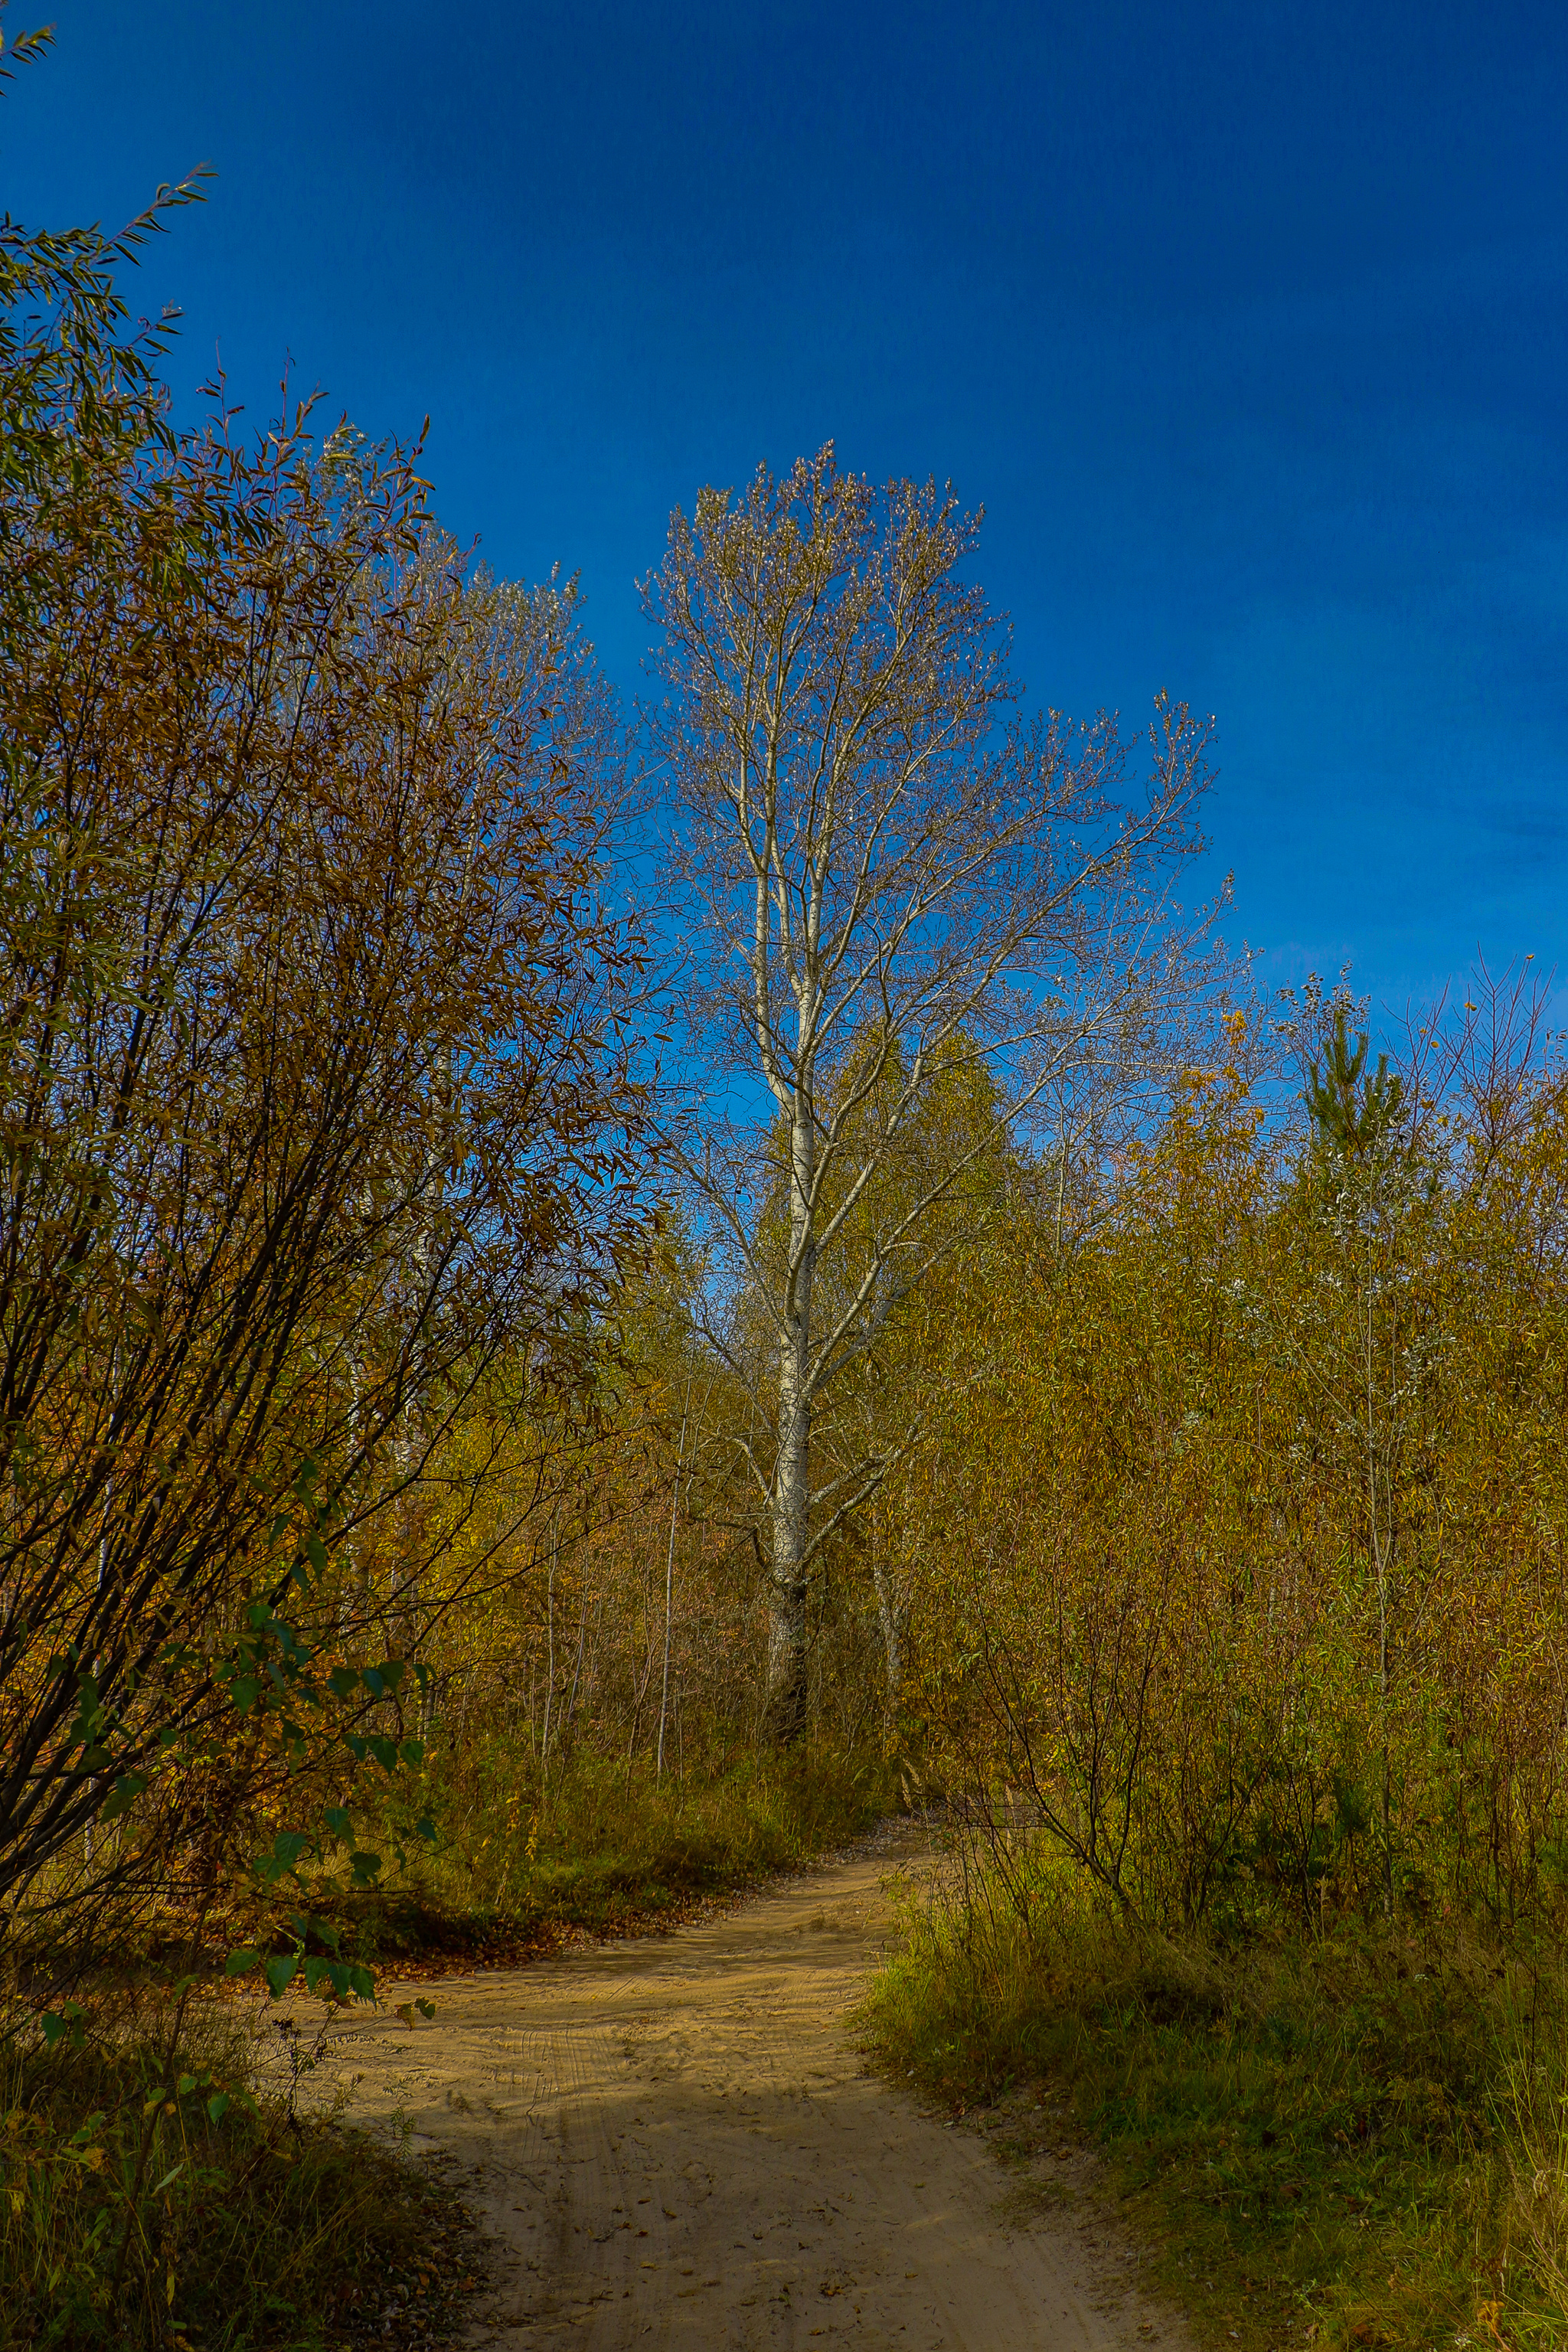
(887,872)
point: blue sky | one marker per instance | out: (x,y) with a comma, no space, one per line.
(1247,325)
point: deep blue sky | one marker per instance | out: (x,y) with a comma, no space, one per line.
(1246,323)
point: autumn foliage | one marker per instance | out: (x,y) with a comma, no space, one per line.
(1238,1570)
(447,1450)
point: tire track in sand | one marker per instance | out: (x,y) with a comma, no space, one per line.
(675,2144)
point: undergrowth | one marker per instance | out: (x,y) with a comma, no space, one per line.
(526,1853)
(150,2196)
(522,1856)
(1358,2138)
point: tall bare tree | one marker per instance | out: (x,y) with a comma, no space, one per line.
(888,874)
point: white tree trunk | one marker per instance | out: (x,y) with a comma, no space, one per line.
(785,1715)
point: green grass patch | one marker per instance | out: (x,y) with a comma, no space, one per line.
(1361,2139)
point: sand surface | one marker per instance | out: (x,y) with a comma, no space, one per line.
(676,2142)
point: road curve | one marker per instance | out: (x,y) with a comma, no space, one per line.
(675,2143)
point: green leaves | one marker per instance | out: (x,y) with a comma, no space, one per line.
(380,1682)
(378,1748)
(61,2025)
(273,1663)
(304,1926)
(216,2098)
(345,1979)
(123,1795)
(273,1667)
(329,1974)
(288,1847)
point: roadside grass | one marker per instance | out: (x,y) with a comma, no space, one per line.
(1358,2140)
(150,2197)
(526,1857)
(522,1860)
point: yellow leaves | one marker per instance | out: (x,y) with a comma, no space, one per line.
(1334,1452)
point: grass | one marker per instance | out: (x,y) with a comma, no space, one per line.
(150,2198)
(523,1860)
(593,1848)
(1352,2140)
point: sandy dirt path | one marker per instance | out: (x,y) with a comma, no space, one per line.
(675,2143)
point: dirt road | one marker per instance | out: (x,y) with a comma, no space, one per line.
(675,2144)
